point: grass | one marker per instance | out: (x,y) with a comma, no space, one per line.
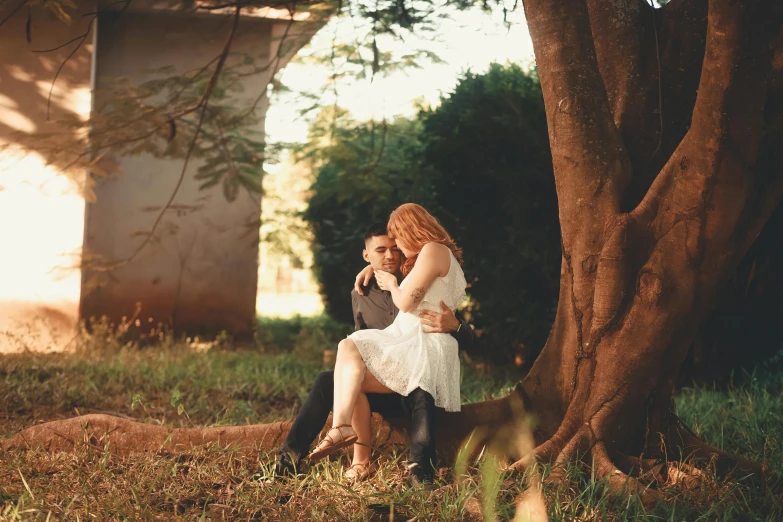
(215,385)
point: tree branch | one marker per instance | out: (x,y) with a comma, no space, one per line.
(590,165)
(81,39)
(769,166)
(623,32)
(13,12)
(650,61)
(722,143)
(723,180)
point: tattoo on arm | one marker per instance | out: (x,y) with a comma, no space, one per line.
(418,294)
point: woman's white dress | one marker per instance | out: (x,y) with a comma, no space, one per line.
(403,357)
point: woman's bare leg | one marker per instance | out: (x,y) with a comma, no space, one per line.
(362,425)
(362,420)
(349,372)
(351,383)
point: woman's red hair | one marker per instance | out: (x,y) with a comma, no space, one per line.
(416,227)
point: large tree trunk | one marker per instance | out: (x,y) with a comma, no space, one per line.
(744,330)
(662,188)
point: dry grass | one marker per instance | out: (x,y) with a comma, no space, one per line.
(219,386)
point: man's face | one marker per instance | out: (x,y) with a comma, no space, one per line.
(382,253)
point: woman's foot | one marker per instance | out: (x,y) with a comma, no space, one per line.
(337,438)
(358,472)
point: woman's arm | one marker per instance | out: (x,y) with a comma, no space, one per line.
(363,279)
(433,262)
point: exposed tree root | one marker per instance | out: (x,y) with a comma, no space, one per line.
(640,467)
(683,455)
(696,451)
(569,453)
(585,441)
(685,462)
(544,452)
(620,483)
(547,451)
(122,436)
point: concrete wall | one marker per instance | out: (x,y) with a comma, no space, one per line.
(199,274)
(41,208)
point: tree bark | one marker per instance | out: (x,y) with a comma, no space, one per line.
(650,61)
(652,80)
(123,436)
(646,256)
(744,329)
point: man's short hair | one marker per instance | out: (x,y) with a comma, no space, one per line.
(376,229)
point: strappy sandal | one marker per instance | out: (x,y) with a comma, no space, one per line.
(324,450)
(358,472)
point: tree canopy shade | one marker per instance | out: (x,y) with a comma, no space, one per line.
(666,137)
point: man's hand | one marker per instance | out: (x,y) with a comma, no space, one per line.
(363,279)
(434,322)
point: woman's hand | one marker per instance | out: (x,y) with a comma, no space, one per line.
(386,280)
(363,279)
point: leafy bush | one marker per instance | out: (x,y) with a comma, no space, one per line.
(480,162)
(365,171)
(305,337)
(488,148)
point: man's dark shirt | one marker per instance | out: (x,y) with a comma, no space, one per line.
(376,309)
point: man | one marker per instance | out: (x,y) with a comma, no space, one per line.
(373,308)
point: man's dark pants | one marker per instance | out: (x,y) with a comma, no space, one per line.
(419,406)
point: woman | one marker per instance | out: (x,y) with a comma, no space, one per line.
(402,357)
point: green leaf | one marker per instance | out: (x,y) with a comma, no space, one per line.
(251,184)
(230,189)
(211,183)
(175,398)
(208,174)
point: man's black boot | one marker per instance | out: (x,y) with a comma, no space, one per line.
(420,476)
(286,465)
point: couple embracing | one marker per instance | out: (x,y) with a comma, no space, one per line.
(403,356)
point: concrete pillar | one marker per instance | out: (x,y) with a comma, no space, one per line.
(199,273)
